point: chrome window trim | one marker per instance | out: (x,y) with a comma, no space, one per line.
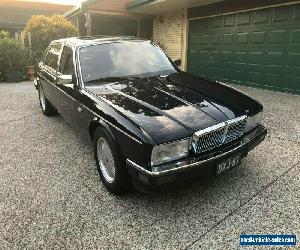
(78,68)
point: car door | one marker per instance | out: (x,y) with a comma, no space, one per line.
(65,85)
(48,71)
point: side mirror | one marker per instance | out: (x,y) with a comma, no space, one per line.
(177,62)
(64,79)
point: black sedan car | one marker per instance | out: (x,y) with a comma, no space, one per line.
(150,123)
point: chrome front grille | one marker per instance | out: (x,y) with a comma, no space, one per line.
(235,130)
(219,134)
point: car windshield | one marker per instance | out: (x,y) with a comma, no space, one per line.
(107,62)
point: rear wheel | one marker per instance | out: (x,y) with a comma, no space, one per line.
(46,106)
(110,165)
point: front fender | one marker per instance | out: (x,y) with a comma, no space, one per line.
(97,122)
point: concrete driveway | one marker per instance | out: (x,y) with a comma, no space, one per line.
(51,195)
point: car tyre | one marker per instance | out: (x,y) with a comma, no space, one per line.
(46,106)
(111,166)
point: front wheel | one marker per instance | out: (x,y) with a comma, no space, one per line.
(46,106)
(110,165)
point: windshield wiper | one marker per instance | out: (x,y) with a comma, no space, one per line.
(112,79)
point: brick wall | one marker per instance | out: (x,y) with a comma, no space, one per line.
(168,31)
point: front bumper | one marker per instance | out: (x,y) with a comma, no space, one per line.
(35,83)
(185,169)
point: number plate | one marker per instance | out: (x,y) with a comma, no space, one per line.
(229,163)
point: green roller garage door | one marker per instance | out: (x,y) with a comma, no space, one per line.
(258,47)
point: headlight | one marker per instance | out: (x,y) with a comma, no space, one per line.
(253,121)
(170,152)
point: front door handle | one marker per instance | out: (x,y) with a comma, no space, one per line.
(80,109)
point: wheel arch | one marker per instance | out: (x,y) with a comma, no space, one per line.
(95,123)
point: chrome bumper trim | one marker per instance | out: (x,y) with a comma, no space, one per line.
(186,167)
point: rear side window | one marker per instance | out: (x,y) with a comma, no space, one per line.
(66,66)
(52,56)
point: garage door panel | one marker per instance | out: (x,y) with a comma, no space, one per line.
(217,22)
(292,82)
(240,57)
(203,39)
(297,13)
(244,18)
(242,38)
(240,75)
(228,39)
(229,20)
(226,73)
(275,58)
(294,59)
(258,37)
(261,16)
(296,36)
(227,56)
(255,68)
(255,76)
(255,47)
(216,39)
(273,79)
(278,36)
(280,14)
(255,58)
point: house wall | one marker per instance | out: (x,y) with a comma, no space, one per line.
(169,30)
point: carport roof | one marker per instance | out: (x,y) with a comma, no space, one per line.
(159,6)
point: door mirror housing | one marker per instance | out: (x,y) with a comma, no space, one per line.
(177,62)
(64,79)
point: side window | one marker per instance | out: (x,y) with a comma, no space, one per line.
(52,56)
(66,62)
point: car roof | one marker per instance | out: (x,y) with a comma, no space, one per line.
(91,40)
